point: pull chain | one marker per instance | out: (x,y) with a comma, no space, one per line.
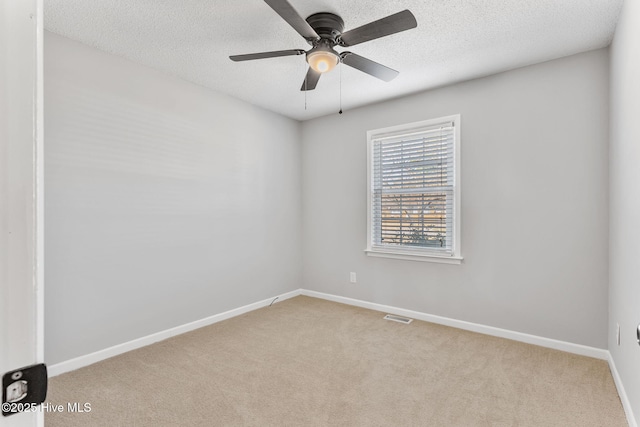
(340,66)
(305,88)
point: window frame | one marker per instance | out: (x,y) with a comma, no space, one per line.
(413,253)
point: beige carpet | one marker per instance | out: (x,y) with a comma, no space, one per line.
(309,362)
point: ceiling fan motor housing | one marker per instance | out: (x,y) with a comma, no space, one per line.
(328,26)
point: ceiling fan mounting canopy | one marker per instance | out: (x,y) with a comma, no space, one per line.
(323,31)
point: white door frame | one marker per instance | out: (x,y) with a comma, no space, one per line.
(21,192)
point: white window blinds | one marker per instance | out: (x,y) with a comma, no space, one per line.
(413,189)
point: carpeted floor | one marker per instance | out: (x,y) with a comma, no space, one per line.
(310,362)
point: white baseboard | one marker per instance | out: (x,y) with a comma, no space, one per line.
(626,404)
(89,359)
(82,361)
(582,350)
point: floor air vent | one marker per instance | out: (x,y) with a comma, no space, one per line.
(399,319)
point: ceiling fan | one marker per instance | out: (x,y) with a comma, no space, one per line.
(324,31)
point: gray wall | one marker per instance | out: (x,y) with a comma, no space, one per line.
(624,225)
(534,203)
(165,202)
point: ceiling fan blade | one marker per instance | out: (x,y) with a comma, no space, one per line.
(310,80)
(392,24)
(293,18)
(262,55)
(368,66)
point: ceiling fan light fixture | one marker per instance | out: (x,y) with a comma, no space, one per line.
(322,60)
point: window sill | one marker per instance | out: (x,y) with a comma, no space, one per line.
(414,257)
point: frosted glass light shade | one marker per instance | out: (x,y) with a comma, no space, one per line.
(322,61)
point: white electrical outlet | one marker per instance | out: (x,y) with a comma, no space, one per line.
(352,277)
(618,333)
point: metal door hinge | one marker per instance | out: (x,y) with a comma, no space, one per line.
(23,389)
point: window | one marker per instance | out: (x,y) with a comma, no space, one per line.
(414,191)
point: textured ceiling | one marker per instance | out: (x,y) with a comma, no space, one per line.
(455,40)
